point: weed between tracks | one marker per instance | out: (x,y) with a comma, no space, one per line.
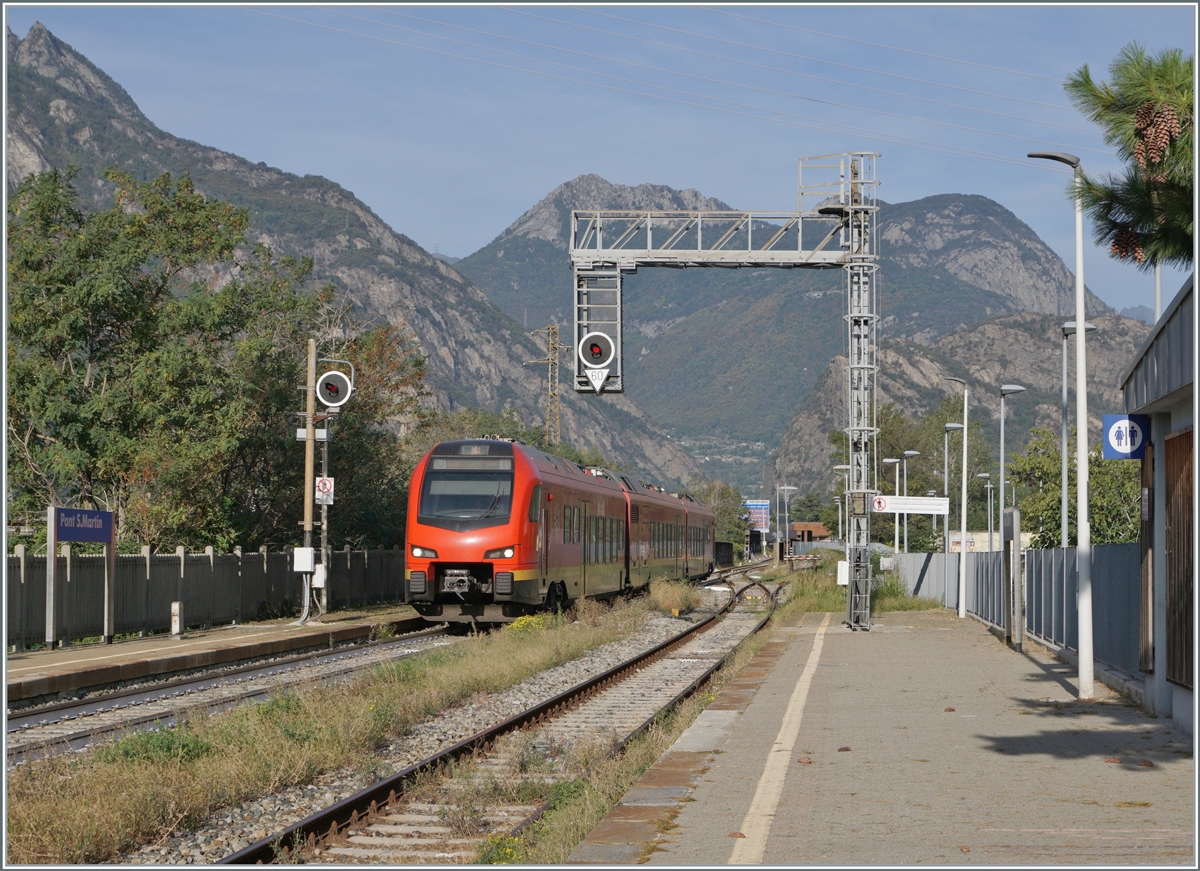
(145,786)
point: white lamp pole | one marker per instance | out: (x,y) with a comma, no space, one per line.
(962,544)
(987,476)
(907,454)
(1068,329)
(892,461)
(1083,552)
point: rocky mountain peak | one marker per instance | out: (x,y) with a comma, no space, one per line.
(979,242)
(49,56)
(550,218)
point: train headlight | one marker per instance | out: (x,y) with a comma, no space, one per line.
(423,552)
(501,553)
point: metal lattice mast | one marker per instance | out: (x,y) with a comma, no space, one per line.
(553,409)
(858,241)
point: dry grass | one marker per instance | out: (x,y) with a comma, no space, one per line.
(140,790)
(672,596)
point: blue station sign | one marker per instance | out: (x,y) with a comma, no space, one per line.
(79,524)
(1125,436)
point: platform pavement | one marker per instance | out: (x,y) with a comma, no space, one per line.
(959,751)
(82,667)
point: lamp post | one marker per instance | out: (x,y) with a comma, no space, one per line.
(988,477)
(907,454)
(962,544)
(1068,329)
(787,529)
(950,427)
(892,461)
(1083,552)
(1014,590)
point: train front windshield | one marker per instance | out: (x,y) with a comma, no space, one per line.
(461,493)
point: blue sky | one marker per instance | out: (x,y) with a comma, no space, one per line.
(451,139)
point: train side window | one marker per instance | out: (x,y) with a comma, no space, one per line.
(535,503)
(566,524)
(575,526)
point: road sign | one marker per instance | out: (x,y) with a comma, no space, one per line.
(324,491)
(1125,436)
(910,505)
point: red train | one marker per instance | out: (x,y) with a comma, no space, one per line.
(497,529)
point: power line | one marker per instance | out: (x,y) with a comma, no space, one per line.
(689,94)
(666,71)
(824,126)
(829,62)
(888,47)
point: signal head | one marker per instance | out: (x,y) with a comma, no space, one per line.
(596,350)
(333,389)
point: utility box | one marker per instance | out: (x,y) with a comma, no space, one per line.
(177,619)
(303,559)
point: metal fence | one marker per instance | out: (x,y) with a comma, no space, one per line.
(1050,613)
(935,576)
(213,588)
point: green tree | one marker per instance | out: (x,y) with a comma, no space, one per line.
(140,383)
(1114,493)
(1146,112)
(726,502)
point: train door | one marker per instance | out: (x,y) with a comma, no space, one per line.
(586,531)
(544,545)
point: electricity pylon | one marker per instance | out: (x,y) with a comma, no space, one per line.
(553,414)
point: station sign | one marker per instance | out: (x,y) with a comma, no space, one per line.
(1125,436)
(760,514)
(911,505)
(78,524)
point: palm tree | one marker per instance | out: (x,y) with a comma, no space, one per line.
(1145,214)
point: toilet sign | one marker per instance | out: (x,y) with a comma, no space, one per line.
(1125,436)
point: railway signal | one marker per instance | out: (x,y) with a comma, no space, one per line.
(596,351)
(334,389)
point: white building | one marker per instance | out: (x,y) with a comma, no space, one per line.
(1158,382)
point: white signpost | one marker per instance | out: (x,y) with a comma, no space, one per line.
(911,505)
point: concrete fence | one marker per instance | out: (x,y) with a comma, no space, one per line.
(214,589)
(1050,613)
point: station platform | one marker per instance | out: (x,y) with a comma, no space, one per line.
(924,741)
(65,671)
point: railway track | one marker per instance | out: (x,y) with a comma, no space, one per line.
(449,806)
(72,726)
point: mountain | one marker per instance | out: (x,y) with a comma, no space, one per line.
(746,346)
(62,110)
(1023,348)
(1142,313)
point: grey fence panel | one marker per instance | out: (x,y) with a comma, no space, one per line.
(987,574)
(354,581)
(227,582)
(26,617)
(1051,615)
(1116,584)
(166,586)
(84,595)
(930,576)
(131,603)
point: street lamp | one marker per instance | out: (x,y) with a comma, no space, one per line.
(962,545)
(988,477)
(787,529)
(896,515)
(1083,552)
(1068,329)
(1005,390)
(907,454)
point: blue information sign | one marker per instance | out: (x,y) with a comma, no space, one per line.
(1125,436)
(78,524)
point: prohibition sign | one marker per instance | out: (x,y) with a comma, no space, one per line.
(324,491)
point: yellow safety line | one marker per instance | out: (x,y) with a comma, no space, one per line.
(757,824)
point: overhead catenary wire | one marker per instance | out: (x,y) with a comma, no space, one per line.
(797,73)
(831,62)
(813,124)
(708,79)
(882,45)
